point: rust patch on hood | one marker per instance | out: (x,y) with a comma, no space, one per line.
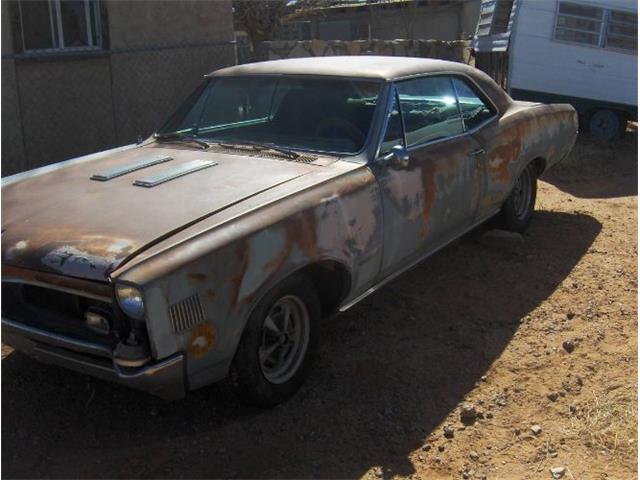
(68,252)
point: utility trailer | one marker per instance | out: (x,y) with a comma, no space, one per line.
(582,52)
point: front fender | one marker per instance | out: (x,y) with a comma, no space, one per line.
(200,294)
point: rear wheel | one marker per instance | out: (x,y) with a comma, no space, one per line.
(607,124)
(278,344)
(518,209)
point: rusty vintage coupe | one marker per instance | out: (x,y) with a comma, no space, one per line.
(279,193)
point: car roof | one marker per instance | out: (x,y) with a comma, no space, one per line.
(365,66)
(368,66)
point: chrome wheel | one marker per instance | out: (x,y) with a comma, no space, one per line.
(285,339)
(523,194)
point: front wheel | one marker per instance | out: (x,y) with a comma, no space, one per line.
(278,344)
(518,209)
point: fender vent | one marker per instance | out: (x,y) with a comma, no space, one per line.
(186,314)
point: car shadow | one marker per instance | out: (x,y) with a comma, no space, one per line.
(388,372)
(599,169)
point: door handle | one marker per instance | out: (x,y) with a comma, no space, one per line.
(476,152)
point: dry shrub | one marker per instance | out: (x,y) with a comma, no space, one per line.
(607,424)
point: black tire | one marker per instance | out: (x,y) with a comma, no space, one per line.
(518,208)
(607,124)
(249,376)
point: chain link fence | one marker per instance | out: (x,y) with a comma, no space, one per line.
(62,106)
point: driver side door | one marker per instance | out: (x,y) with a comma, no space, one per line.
(432,197)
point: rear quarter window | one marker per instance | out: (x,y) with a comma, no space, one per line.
(475,111)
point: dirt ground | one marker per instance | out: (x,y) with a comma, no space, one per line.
(532,331)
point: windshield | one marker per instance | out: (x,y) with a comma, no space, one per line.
(317,114)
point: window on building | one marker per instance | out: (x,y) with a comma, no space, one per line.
(598,27)
(429,109)
(59,24)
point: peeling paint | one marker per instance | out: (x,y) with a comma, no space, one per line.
(202,340)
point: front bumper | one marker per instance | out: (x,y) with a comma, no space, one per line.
(165,378)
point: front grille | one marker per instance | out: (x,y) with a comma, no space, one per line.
(186,314)
(55,311)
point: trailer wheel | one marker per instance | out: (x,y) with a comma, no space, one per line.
(606,124)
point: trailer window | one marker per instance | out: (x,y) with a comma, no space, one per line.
(597,27)
(579,23)
(622,31)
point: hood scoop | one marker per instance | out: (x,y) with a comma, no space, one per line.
(130,167)
(173,173)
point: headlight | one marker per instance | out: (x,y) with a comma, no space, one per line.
(130,301)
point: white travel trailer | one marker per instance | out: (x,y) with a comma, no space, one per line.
(582,52)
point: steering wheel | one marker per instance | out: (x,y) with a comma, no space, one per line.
(329,126)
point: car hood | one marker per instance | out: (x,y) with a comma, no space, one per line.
(62,221)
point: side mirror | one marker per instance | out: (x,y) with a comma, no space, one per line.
(397,157)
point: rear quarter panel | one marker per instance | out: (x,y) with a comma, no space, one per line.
(524,133)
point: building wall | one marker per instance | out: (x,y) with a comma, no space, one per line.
(13,155)
(57,107)
(65,108)
(433,20)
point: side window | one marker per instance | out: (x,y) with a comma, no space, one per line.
(429,109)
(393,136)
(474,109)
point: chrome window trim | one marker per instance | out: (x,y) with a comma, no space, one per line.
(481,94)
(391,94)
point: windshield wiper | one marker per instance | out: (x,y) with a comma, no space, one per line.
(257,146)
(180,137)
